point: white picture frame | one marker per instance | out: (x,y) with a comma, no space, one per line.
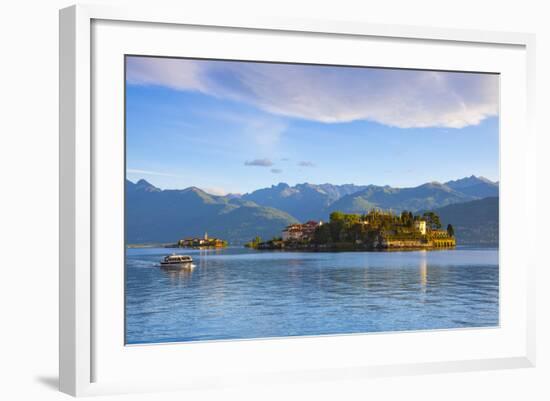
(82,158)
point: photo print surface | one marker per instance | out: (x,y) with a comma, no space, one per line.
(268,200)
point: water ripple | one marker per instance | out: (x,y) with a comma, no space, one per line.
(239,293)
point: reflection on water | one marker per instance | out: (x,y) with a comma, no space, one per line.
(241,293)
(178,276)
(423,265)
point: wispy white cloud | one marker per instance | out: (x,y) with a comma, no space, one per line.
(276,170)
(306,164)
(400,98)
(259,163)
(172,73)
(263,132)
(149,172)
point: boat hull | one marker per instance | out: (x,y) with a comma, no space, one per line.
(188,265)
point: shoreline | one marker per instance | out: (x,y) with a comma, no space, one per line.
(335,250)
(352,249)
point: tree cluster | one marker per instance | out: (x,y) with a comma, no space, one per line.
(346,227)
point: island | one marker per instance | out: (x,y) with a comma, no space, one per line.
(375,230)
(200,243)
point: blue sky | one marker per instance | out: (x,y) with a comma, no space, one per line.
(237,126)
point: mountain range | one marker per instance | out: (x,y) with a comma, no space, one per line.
(474,222)
(155,215)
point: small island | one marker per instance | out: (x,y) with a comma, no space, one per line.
(375,230)
(200,243)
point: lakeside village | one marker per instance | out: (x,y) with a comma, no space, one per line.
(376,230)
(200,243)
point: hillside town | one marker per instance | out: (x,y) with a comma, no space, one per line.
(375,230)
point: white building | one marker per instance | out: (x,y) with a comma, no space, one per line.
(420,225)
(300,231)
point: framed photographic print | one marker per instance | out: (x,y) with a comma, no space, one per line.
(278,200)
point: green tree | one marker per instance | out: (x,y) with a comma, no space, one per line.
(322,234)
(336,217)
(450,230)
(254,243)
(432,220)
(338,223)
(407,218)
(351,219)
(436,222)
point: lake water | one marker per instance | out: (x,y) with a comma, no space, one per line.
(238,293)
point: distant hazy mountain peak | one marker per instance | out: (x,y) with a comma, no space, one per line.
(477,186)
(144,185)
(481,178)
(305,185)
(469,181)
(194,189)
(435,184)
(202,194)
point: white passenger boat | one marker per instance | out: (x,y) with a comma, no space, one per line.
(177,262)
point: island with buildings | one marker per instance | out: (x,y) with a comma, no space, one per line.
(200,243)
(375,230)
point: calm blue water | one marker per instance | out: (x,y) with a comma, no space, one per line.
(240,293)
